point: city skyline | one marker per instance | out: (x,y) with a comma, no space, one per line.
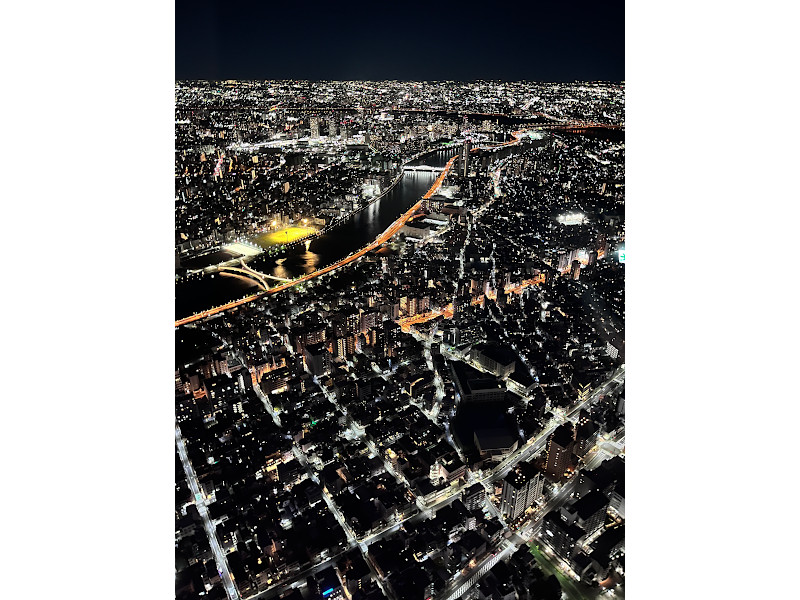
(399,321)
(399,258)
(96,199)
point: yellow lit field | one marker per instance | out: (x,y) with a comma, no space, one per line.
(282,236)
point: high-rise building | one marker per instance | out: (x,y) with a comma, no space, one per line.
(317,359)
(559,451)
(563,260)
(391,336)
(314,128)
(345,346)
(575,269)
(585,437)
(465,157)
(560,535)
(522,488)
(474,496)
(589,512)
(369,320)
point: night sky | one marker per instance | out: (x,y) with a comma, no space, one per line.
(268,39)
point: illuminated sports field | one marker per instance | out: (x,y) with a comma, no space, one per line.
(282,236)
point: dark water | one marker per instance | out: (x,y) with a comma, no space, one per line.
(202,292)
(600,133)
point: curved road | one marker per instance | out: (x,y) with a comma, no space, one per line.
(385,236)
(516,137)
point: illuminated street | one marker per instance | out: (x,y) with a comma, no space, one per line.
(423,345)
(219,555)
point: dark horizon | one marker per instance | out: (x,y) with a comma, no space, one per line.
(256,79)
(362,41)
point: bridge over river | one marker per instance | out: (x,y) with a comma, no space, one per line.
(245,272)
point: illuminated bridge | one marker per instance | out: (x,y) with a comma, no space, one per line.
(426,168)
(245,272)
(380,240)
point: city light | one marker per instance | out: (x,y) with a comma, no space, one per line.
(443,372)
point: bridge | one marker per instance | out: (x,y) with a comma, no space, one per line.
(425,168)
(245,272)
(516,138)
(380,240)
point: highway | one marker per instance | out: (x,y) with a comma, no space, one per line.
(516,138)
(450,110)
(381,239)
(211,530)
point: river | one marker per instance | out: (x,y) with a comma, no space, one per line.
(200,291)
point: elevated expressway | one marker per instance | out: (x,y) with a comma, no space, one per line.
(516,138)
(380,240)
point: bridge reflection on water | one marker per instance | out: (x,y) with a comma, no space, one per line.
(343,240)
(243,271)
(207,291)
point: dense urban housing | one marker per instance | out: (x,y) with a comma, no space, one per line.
(399,340)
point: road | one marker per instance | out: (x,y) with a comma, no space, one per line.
(267,404)
(211,531)
(380,240)
(507,547)
(516,138)
(534,446)
(459,586)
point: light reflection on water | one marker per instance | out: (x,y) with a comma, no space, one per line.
(288,267)
(319,252)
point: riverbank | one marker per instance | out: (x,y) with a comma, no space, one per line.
(381,239)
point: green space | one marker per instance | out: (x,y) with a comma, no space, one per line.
(282,236)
